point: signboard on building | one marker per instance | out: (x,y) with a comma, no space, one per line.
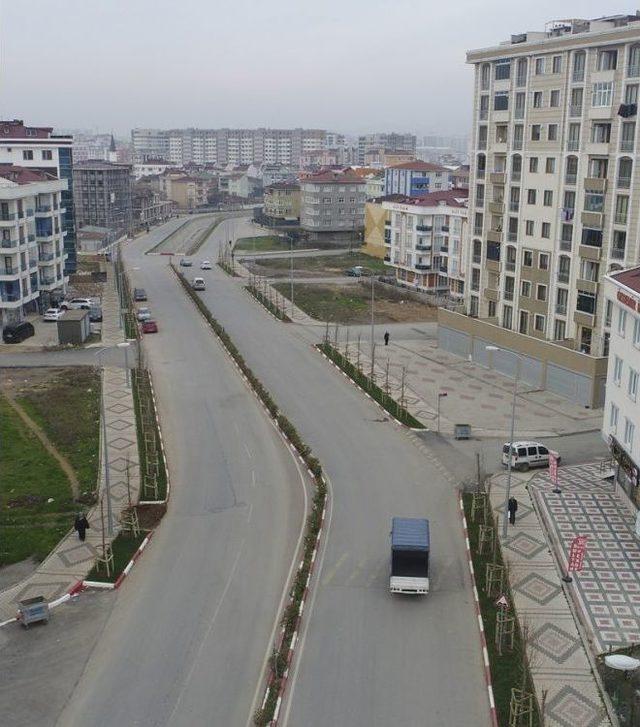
(624,460)
(576,553)
(627,300)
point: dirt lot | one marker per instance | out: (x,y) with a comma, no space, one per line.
(351,303)
(315,267)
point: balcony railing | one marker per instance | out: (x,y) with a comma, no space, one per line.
(424,228)
(33,263)
(8,243)
(561,309)
(508,294)
(43,208)
(9,270)
(482,144)
(575,110)
(624,182)
(9,297)
(570,178)
(617,253)
(512,236)
(633,71)
(477,259)
(627,145)
(510,266)
(423,248)
(422,266)
(573,144)
(514,206)
(521,80)
(7,217)
(31,237)
(480,173)
(565,245)
(484,114)
(30,212)
(563,276)
(47,281)
(516,176)
(578,76)
(477,230)
(46,256)
(518,112)
(517,144)
(620,218)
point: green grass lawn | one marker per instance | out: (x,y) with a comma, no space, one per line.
(123,547)
(67,407)
(328,264)
(261,243)
(30,525)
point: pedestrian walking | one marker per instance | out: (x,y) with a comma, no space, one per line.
(81,524)
(512,508)
(386,338)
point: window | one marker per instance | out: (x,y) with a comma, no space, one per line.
(528,228)
(586,303)
(552,132)
(600,133)
(564,271)
(535,132)
(533,165)
(548,198)
(492,309)
(602,93)
(550,165)
(608,312)
(629,429)
(502,69)
(501,133)
(631,93)
(501,101)
(559,330)
(593,201)
(546,230)
(518,136)
(507,316)
(27,155)
(622,322)
(618,244)
(613,417)
(636,331)
(537,99)
(590,237)
(632,386)
(625,168)
(525,289)
(521,73)
(627,135)
(531,196)
(523,326)
(539,68)
(579,62)
(617,370)
(485,76)
(541,292)
(554,99)
(543,261)
(47,154)
(538,323)
(527,259)
(633,61)
(589,270)
(557,64)
(607,60)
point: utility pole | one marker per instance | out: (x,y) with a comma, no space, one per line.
(373,285)
(291,272)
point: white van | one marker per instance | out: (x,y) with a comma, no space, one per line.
(525,455)
(198,284)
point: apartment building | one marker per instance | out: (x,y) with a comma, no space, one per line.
(227,146)
(415,178)
(332,201)
(150,167)
(102,193)
(621,420)
(555,194)
(391,141)
(425,237)
(149,207)
(185,191)
(32,241)
(38,148)
(282,201)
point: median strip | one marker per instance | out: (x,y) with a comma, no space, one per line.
(282,655)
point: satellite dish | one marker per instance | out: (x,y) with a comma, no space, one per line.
(621,662)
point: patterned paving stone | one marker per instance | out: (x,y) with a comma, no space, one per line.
(555,642)
(569,708)
(537,588)
(525,545)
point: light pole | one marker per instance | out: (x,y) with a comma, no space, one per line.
(105,448)
(373,286)
(291,272)
(441,395)
(125,347)
(513,424)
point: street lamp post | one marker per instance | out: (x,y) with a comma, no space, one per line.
(441,395)
(291,273)
(511,435)
(373,285)
(105,449)
(125,347)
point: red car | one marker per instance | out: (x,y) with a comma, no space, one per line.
(149,327)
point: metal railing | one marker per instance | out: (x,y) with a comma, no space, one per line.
(565,245)
(510,266)
(627,145)
(620,218)
(516,176)
(578,76)
(575,110)
(563,276)
(570,178)
(561,309)
(624,182)
(573,144)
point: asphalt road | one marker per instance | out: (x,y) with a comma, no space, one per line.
(367,658)
(188,635)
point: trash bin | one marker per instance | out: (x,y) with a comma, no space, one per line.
(462,431)
(33,610)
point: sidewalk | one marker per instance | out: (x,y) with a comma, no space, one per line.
(71,560)
(559,663)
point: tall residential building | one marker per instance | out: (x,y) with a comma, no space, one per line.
(102,193)
(555,194)
(391,141)
(227,146)
(415,179)
(36,147)
(332,201)
(31,241)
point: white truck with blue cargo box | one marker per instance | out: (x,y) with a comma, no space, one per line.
(409,555)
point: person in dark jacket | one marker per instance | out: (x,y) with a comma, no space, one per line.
(513,508)
(81,524)
(386,338)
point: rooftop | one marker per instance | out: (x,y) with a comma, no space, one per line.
(419,166)
(15,129)
(343,176)
(630,278)
(23,175)
(283,185)
(450,197)
(100,165)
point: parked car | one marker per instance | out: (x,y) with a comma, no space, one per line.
(76,304)
(17,332)
(198,284)
(139,294)
(185,263)
(149,326)
(355,272)
(95,314)
(205,265)
(526,454)
(389,279)
(52,314)
(143,314)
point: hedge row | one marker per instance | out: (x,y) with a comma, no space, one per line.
(228,269)
(281,657)
(277,311)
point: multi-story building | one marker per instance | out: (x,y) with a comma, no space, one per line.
(621,420)
(102,193)
(31,241)
(390,141)
(227,146)
(555,193)
(415,179)
(149,207)
(150,167)
(186,191)
(91,146)
(282,201)
(425,239)
(37,147)
(332,201)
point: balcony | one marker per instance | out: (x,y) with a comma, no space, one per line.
(423,247)
(497,177)
(570,178)
(480,173)
(627,145)
(633,71)
(518,112)
(565,245)
(46,256)
(477,230)
(594,220)
(9,297)
(494,235)
(595,184)
(577,76)
(424,228)
(588,286)
(7,217)
(512,236)
(497,207)
(563,276)
(617,253)
(422,266)
(575,110)
(573,144)
(47,281)
(514,206)
(624,182)
(508,294)
(521,80)
(476,259)
(510,266)
(516,176)
(8,243)
(43,209)
(9,270)
(620,218)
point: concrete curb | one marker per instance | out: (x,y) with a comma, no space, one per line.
(483,641)
(245,288)
(73,591)
(113,586)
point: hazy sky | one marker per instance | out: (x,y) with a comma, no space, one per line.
(344,65)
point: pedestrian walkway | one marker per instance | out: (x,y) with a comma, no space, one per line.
(560,666)
(71,560)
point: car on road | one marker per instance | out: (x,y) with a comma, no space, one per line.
(143,314)
(185,263)
(205,265)
(95,314)
(77,304)
(139,295)
(52,314)
(149,326)
(198,284)
(355,272)
(526,454)
(17,332)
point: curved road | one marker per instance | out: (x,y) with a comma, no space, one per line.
(186,641)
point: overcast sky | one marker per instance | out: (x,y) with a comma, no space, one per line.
(344,65)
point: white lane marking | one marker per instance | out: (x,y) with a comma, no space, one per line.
(247,450)
(334,569)
(208,631)
(250,513)
(253,478)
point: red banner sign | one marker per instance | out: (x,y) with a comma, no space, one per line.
(576,553)
(627,300)
(553,467)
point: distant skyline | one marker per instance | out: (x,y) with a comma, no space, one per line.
(353,67)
